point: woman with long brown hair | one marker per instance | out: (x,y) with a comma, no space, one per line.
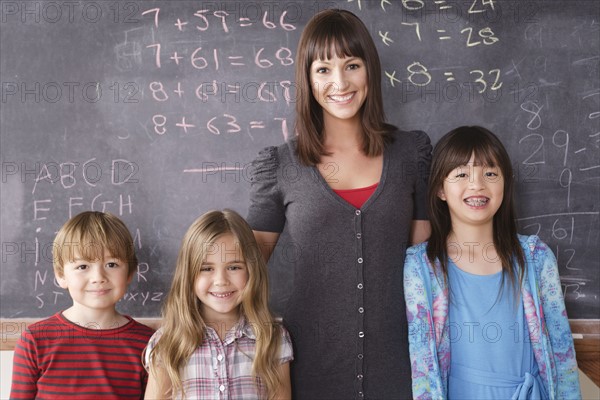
(347,195)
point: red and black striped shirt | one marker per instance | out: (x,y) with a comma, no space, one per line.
(57,359)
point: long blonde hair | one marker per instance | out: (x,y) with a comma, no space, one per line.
(183,328)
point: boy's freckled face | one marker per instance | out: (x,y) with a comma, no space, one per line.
(95,284)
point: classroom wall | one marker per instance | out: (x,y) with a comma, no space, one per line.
(6,358)
(589,390)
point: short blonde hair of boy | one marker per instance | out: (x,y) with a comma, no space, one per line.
(87,235)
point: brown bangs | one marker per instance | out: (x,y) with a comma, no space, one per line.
(341,33)
(334,37)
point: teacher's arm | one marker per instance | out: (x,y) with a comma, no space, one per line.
(266,214)
(419,231)
(266,242)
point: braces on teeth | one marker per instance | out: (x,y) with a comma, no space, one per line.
(477,202)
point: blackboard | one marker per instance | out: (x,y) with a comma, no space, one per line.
(153,111)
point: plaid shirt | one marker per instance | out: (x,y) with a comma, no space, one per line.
(222,370)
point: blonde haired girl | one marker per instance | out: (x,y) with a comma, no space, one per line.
(218,336)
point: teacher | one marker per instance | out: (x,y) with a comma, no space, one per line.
(349,193)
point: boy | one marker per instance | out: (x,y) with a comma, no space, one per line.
(88,351)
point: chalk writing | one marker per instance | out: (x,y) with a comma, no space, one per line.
(419,75)
(203,20)
(216,125)
(191,91)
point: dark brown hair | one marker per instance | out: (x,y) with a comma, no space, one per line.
(342,32)
(453,150)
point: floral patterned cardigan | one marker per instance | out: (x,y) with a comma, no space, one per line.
(549,331)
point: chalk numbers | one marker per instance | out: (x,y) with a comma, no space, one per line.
(493,75)
(159,124)
(201,58)
(197,61)
(270,25)
(485,36)
(537,154)
(174,55)
(558,228)
(418,74)
(158,91)
(559,232)
(217,125)
(232,126)
(203,20)
(283,55)
(479,6)
(560,140)
(413,5)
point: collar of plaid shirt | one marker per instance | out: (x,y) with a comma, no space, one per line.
(242,328)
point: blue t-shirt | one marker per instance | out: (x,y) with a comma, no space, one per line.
(491,351)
